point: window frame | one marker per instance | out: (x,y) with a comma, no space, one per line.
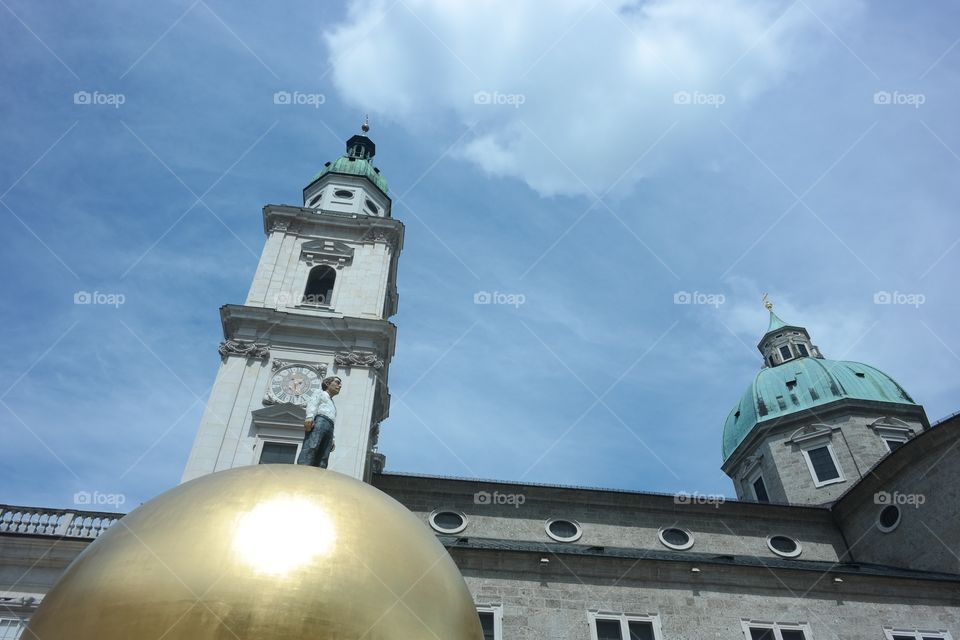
(625,619)
(783,554)
(751,479)
(676,547)
(261,440)
(776,627)
(553,536)
(444,530)
(919,634)
(497,611)
(833,456)
(327,304)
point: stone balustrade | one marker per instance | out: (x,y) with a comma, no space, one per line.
(67,523)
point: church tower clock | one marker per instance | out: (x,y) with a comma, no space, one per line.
(319,305)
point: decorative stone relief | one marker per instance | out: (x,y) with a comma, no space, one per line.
(279,224)
(380,234)
(245,348)
(319,367)
(330,252)
(358,359)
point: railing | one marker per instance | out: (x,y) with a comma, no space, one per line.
(67,523)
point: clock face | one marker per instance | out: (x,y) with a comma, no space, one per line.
(294,384)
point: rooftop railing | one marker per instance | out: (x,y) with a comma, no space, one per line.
(60,523)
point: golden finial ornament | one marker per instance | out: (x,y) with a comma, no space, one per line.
(767,303)
(365,127)
(265,552)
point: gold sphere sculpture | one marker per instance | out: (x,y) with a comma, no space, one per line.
(264,552)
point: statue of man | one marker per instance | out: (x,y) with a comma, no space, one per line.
(318,427)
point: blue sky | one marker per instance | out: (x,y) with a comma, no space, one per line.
(596,159)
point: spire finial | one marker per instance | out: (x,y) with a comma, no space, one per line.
(365,127)
(767,303)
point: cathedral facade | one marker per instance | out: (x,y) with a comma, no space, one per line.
(845,526)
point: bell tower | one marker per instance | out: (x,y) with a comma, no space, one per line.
(319,305)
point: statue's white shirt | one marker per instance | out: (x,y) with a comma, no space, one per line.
(322,404)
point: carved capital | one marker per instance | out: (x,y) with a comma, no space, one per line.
(245,348)
(358,359)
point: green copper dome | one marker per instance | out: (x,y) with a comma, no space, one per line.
(354,166)
(802,384)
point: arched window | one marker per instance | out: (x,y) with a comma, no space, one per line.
(319,289)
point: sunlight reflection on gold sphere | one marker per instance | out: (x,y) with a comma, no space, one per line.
(266,552)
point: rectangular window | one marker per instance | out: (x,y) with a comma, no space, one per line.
(278,453)
(10,628)
(760,490)
(893,443)
(823,465)
(903,634)
(491,621)
(624,627)
(775,631)
(802,348)
(785,352)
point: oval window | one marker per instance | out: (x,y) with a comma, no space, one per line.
(448,521)
(343,193)
(675,538)
(563,530)
(372,206)
(784,546)
(889,518)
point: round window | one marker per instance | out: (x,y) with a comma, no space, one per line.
(675,538)
(448,521)
(889,518)
(343,193)
(784,546)
(371,205)
(563,530)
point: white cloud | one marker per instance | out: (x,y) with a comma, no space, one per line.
(567,96)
